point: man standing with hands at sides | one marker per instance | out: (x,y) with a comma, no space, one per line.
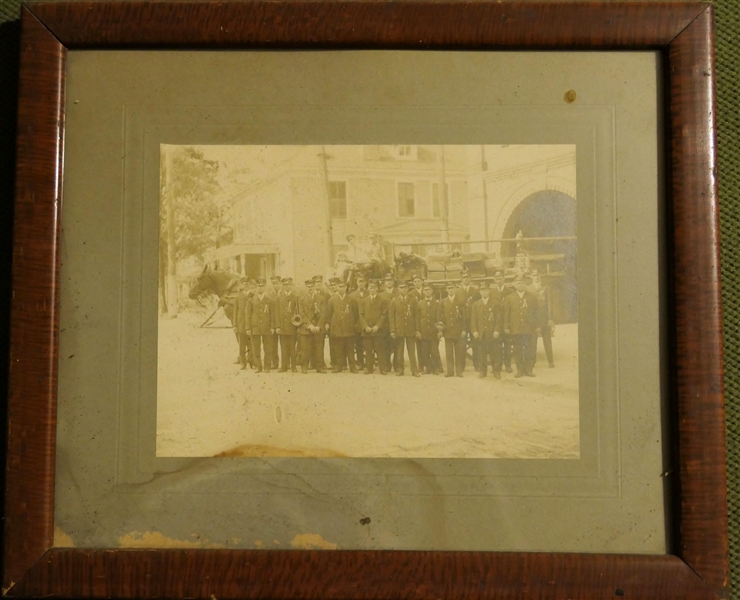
(287,307)
(358,296)
(430,360)
(520,321)
(240,322)
(486,324)
(453,321)
(374,327)
(318,281)
(312,310)
(341,323)
(389,293)
(498,292)
(543,317)
(404,322)
(261,323)
(417,293)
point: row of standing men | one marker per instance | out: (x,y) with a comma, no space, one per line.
(285,328)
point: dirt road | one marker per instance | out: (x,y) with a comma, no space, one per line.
(207,406)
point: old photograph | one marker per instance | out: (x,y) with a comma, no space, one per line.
(413,301)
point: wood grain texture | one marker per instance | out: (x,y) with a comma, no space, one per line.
(697,313)
(409,24)
(325,575)
(29,503)
(682,31)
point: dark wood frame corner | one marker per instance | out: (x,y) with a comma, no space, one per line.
(682,32)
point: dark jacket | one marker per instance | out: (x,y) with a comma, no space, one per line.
(403,315)
(486,319)
(520,314)
(261,315)
(453,314)
(240,311)
(312,309)
(543,304)
(287,305)
(374,313)
(428,318)
(341,314)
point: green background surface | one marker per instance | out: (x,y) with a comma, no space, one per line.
(727,30)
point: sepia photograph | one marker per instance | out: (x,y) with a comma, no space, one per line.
(412,301)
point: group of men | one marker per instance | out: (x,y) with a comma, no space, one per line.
(382,323)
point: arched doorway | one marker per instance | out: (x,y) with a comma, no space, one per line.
(548,214)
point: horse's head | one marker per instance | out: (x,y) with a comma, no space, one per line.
(202,284)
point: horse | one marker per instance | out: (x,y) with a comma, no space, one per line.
(215,281)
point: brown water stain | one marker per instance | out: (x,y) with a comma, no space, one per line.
(259,450)
(154,539)
(312,541)
(62,540)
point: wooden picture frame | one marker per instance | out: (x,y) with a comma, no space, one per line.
(683,32)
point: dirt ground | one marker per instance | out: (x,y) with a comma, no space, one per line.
(207,406)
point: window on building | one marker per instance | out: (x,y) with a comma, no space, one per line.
(338,199)
(406,200)
(437,201)
(405,152)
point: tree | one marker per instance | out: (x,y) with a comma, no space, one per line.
(192,208)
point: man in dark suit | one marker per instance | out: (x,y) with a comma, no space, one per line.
(545,323)
(520,321)
(311,333)
(373,313)
(471,295)
(486,323)
(388,293)
(287,307)
(320,289)
(430,361)
(404,323)
(417,293)
(240,323)
(341,323)
(498,292)
(261,319)
(357,296)
(453,319)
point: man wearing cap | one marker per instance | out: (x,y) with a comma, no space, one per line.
(322,291)
(341,323)
(471,295)
(240,322)
(277,290)
(429,360)
(403,316)
(486,324)
(520,321)
(333,283)
(261,318)
(499,291)
(453,319)
(318,281)
(416,291)
(311,333)
(545,323)
(287,309)
(373,313)
(389,292)
(357,297)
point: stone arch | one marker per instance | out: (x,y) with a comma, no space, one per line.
(548,214)
(555,184)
